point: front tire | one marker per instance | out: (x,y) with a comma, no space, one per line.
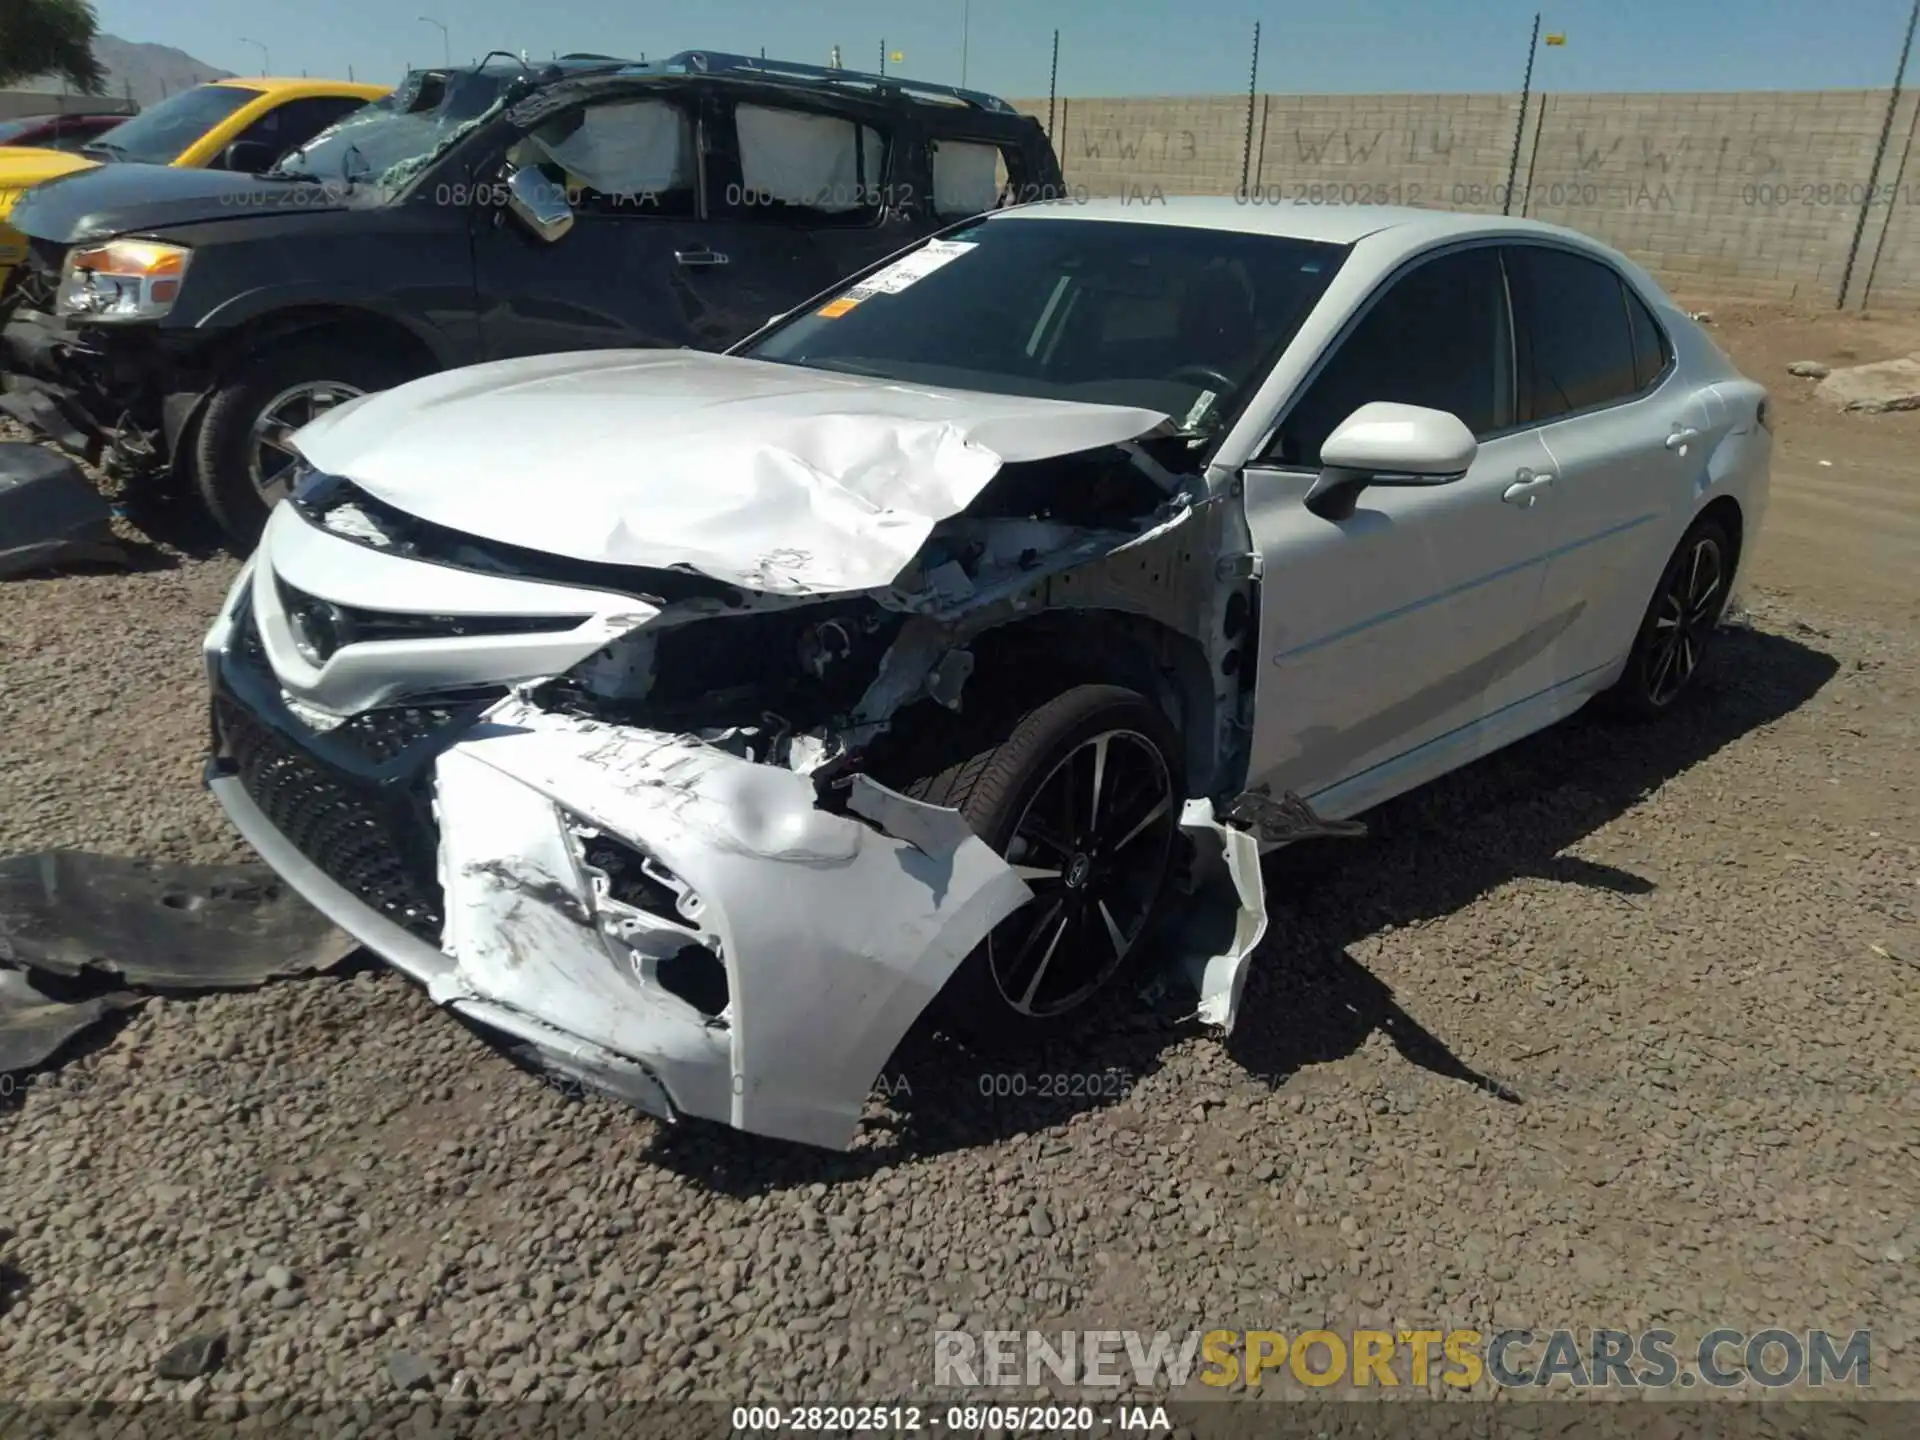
(1678,627)
(1082,796)
(242,462)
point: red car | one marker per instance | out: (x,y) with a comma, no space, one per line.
(56,132)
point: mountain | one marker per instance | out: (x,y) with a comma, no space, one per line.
(146,72)
(150,72)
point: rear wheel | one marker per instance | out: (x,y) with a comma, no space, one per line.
(243,461)
(1082,797)
(1679,624)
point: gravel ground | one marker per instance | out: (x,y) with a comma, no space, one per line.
(1617,1028)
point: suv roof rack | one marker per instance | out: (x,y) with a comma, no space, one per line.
(716,62)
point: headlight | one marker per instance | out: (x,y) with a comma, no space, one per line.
(122,280)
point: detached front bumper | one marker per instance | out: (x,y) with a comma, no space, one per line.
(100,394)
(554,879)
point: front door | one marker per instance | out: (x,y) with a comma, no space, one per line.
(630,166)
(1390,639)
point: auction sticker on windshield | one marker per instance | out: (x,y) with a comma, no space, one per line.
(905,271)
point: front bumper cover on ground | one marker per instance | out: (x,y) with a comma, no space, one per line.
(835,931)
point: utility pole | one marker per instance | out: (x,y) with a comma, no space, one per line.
(966,25)
(883,54)
(266,59)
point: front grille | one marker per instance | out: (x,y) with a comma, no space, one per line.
(378,842)
(384,733)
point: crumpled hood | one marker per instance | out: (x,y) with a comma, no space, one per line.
(772,477)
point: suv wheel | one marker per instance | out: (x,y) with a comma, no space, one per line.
(1082,795)
(243,462)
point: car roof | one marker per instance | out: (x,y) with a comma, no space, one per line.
(299,85)
(1407,227)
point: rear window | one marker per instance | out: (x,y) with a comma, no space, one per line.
(967,177)
(803,164)
(1576,348)
(1650,352)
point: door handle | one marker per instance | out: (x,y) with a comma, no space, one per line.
(701,256)
(1682,436)
(1526,486)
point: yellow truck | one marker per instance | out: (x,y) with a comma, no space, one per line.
(244,125)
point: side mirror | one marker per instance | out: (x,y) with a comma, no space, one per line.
(1383,443)
(249,157)
(539,204)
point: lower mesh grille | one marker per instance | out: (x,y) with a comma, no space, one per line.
(378,844)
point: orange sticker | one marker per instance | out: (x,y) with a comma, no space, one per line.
(834,309)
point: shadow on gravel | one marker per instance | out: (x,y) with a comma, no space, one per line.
(13,1281)
(174,521)
(1308,1001)
(1503,818)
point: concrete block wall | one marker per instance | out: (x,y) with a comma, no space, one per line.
(17,103)
(1740,195)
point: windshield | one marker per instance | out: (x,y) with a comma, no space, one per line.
(1173,318)
(371,142)
(156,136)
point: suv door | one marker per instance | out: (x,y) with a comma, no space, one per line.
(1388,637)
(630,166)
(1629,442)
(803,193)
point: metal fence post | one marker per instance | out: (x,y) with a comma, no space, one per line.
(1879,154)
(1893,197)
(1253,89)
(1520,125)
(1053,84)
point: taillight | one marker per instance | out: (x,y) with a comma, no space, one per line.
(1763,416)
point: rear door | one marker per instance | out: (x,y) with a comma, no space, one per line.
(630,166)
(1629,441)
(803,191)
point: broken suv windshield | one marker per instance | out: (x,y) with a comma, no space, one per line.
(1171,317)
(389,141)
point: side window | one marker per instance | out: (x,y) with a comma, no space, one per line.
(626,157)
(1575,342)
(1650,350)
(805,167)
(967,177)
(288,126)
(1438,337)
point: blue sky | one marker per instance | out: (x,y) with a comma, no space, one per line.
(1107,47)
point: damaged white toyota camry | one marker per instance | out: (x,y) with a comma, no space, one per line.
(698,721)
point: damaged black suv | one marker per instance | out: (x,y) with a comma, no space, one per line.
(178,326)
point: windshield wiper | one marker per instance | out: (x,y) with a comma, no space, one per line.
(104,147)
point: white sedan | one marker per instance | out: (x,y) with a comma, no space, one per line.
(698,721)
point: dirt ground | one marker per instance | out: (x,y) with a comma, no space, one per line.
(1617,1028)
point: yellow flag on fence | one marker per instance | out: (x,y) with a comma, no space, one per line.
(1556,39)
